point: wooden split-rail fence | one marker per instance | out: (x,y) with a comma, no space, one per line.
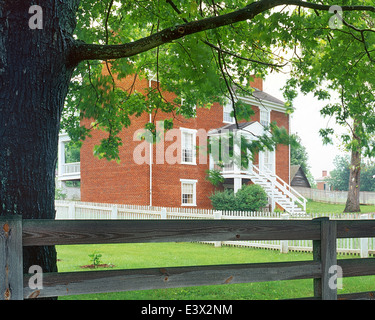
(88,210)
(17,233)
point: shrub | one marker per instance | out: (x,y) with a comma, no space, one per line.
(223,200)
(249,198)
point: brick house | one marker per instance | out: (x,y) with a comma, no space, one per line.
(322,183)
(173,173)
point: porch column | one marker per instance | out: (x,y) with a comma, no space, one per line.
(237,184)
(61,156)
(237,153)
(211,162)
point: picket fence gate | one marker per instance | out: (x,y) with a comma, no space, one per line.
(76,210)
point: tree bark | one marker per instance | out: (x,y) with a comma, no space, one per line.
(34,80)
(352,202)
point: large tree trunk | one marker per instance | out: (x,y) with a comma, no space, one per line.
(34,79)
(352,202)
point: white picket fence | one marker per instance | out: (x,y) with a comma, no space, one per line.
(88,210)
(365,197)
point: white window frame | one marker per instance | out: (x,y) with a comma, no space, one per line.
(264,112)
(226,108)
(194,184)
(193,132)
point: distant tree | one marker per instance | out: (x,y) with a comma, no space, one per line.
(368,177)
(339,176)
(72,152)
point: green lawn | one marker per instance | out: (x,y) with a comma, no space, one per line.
(126,256)
(321,207)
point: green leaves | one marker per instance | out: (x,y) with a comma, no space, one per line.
(339,62)
(201,74)
(248,198)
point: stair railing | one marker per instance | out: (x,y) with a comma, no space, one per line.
(281,185)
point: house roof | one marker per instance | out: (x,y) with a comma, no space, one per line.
(231,127)
(261,95)
(293,171)
(299,179)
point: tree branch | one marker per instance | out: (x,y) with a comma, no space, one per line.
(83,51)
(243,58)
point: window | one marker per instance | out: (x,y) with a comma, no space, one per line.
(227,109)
(264,117)
(188,142)
(188,192)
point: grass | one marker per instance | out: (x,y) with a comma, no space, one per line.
(317,207)
(127,256)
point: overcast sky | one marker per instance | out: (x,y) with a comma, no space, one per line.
(306,121)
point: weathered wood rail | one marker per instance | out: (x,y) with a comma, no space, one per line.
(16,233)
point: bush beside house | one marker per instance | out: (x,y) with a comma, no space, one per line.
(249,198)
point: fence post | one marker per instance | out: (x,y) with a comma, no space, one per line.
(114,212)
(163,214)
(324,251)
(217,216)
(284,243)
(71,211)
(364,241)
(11,262)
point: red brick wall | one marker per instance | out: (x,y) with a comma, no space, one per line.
(166,177)
(108,181)
(128,182)
(282,151)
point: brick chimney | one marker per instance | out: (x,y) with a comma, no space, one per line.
(257,83)
(324,173)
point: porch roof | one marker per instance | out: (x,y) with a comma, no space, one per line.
(252,128)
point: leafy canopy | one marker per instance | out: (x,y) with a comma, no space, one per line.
(211,65)
(337,66)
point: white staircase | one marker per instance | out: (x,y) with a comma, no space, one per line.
(279,191)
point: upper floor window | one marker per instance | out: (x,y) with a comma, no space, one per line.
(188,145)
(265,117)
(227,110)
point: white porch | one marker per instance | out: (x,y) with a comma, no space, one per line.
(279,192)
(66,171)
